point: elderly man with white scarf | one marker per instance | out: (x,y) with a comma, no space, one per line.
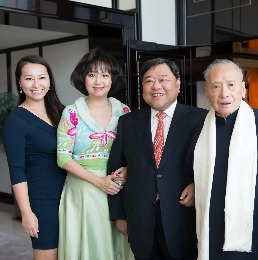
(223,159)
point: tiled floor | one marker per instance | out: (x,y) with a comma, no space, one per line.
(7,225)
(12,236)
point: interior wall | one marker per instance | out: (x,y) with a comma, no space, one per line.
(159,21)
(122,4)
(15,57)
(202,101)
(4,172)
(62,59)
(126,5)
(104,3)
(5,184)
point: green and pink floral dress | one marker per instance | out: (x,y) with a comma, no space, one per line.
(85,231)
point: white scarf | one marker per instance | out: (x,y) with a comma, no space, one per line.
(241,178)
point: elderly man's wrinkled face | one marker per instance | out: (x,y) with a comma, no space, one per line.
(225,88)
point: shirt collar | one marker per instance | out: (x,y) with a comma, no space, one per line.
(169,111)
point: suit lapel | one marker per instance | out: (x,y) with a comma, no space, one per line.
(176,130)
(142,126)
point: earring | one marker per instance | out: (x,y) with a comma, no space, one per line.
(21,90)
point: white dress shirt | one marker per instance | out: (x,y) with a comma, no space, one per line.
(167,121)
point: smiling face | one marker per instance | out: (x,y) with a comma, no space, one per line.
(34,81)
(225,88)
(98,82)
(160,87)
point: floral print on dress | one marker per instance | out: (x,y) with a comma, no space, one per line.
(74,120)
(103,137)
(80,138)
(126,110)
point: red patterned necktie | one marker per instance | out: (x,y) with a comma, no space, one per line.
(159,138)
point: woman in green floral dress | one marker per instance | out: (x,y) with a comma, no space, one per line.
(85,136)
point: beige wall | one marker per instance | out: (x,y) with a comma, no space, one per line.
(122,4)
(104,3)
(159,21)
(62,59)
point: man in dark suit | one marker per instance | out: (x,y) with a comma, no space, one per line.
(155,206)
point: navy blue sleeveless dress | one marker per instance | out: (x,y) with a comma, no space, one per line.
(30,145)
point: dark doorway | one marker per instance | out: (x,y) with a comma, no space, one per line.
(138,52)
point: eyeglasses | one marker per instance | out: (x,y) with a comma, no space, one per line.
(152,81)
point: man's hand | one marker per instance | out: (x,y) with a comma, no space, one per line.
(187,196)
(121,225)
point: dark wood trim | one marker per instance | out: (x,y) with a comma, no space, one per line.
(6,18)
(180,20)
(6,198)
(41,51)
(114,4)
(138,19)
(39,23)
(8,71)
(233,28)
(78,12)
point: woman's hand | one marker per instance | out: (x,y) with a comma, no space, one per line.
(108,185)
(29,219)
(30,224)
(120,175)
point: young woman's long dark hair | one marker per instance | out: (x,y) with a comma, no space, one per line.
(53,105)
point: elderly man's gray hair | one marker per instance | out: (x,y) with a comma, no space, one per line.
(221,62)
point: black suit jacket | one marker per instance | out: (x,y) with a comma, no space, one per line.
(133,148)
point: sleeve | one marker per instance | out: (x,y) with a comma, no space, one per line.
(15,146)
(66,133)
(116,160)
(125,108)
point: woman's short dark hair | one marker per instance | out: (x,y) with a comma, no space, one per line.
(158,61)
(53,105)
(90,61)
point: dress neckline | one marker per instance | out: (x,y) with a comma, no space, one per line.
(32,114)
(85,115)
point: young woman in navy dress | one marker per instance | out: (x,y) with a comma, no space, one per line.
(30,145)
